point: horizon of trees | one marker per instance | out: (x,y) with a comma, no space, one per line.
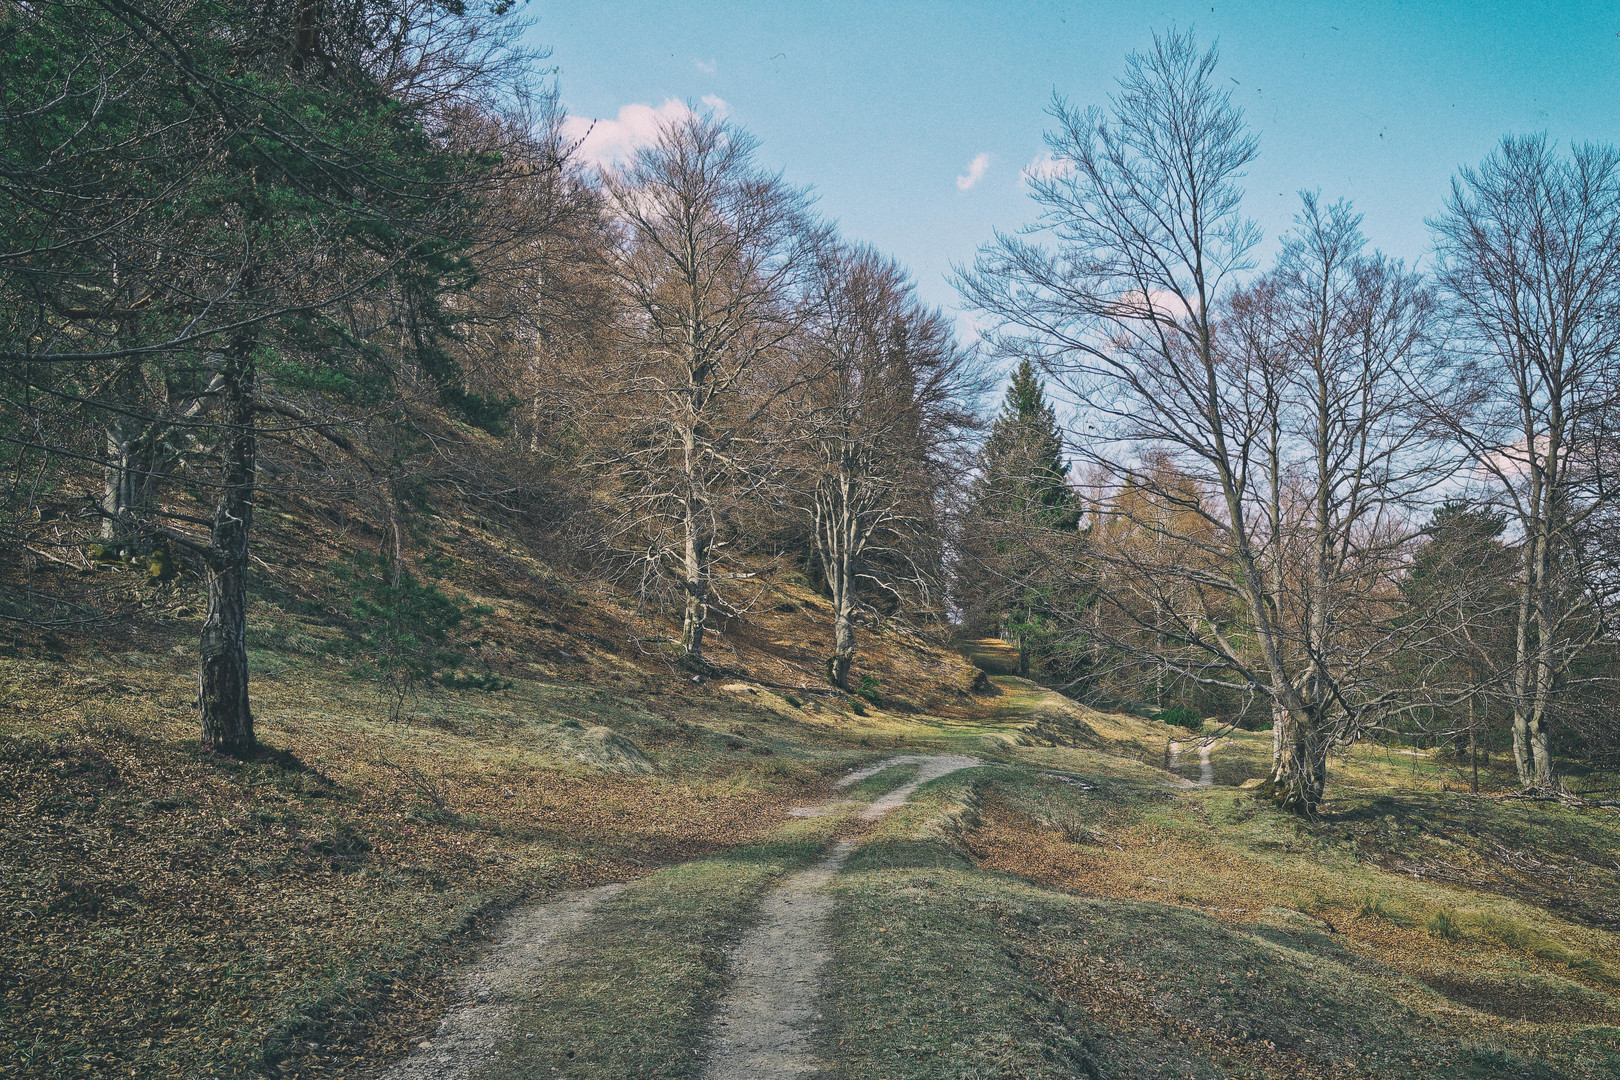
(343,254)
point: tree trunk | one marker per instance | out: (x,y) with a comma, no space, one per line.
(1521,666)
(122,482)
(1473,745)
(1299,764)
(697,540)
(695,583)
(127,478)
(839,581)
(693,622)
(222,679)
(843,650)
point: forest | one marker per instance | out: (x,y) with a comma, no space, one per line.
(298,295)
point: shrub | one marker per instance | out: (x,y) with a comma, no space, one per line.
(1443,924)
(868,689)
(1180,716)
(405,630)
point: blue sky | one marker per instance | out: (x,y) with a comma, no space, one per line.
(883,108)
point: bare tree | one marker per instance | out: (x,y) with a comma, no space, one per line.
(1529,247)
(1255,437)
(713,255)
(882,402)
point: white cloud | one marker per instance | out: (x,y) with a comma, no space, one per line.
(1046,167)
(717,105)
(610,143)
(708,67)
(975,172)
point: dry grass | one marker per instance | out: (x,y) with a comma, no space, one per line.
(1490,924)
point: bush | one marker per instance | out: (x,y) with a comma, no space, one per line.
(405,630)
(1443,924)
(868,689)
(1180,716)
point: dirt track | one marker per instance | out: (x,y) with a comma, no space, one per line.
(763,1027)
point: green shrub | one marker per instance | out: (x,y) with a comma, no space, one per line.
(1443,924)
(868,689)
(406,630)
(1180,716)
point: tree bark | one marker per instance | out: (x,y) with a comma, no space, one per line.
(695,552)
(1299,766)
(126,480)
(837,564)
(843,650)
(222,678)
(123,479)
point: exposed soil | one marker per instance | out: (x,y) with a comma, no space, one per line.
(763,1027)
(527,942)
(764,1024)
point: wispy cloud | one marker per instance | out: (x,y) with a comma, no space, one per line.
(708,67)
(975,172)
(717,105)
(610,143)
(1046,167)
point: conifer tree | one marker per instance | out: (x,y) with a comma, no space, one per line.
(1021,505)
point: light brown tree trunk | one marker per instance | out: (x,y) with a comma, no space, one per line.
(1299,766)
(1522,665)
(121,482)
(840,580)
(222,678)
(695,552)
(126,480)
(843,650)
(1473,745)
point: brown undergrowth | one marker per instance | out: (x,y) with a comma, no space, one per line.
(1471,972)
(171,913)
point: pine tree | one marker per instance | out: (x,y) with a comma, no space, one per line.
(1022,470)
(1021,520)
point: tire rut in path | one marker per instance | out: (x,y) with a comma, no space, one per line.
(527,942)
(763,1026)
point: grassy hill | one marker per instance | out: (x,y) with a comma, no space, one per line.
(1074,907)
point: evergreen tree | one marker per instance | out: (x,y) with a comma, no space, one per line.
(1018,535)
(1022,469)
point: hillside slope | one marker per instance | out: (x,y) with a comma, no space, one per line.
(1069,906)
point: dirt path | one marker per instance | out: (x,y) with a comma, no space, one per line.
(492,990)
(763,1026)
(1206,770)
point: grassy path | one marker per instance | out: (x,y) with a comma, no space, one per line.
(765,1026)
